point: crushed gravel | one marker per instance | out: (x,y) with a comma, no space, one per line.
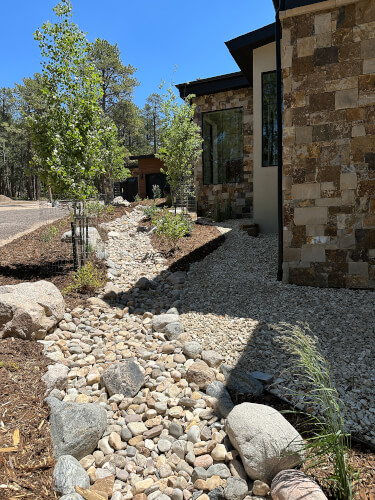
(231,299)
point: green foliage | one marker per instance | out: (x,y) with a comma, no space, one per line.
(156,192)
(12,366)
(73,142)
(87,279)
(180,143)
(137,198)
(330,441)
(171,226)
(49,234)
(94,208)
(110,209)
(151,211)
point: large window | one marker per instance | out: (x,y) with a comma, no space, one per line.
(223,146)
(269,119)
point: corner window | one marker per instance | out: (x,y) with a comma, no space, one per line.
(223,146)
(269,119)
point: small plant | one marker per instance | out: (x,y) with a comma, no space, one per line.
(87,279)
(156,191)
(173,227)
(330,441)
(137,198)
(12,366)
(151,211)
(94,208)
(49,234)
(110,209)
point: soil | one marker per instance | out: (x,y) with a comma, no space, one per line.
(4,199)
(26,463)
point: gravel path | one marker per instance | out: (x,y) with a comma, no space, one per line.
(231,299)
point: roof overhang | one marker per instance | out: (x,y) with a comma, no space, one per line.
(222,83)
(141,157)
(292,4)
(241,48)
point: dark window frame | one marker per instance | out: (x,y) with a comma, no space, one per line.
(211,183)
(276,132)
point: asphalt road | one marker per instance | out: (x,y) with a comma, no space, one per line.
(16,220)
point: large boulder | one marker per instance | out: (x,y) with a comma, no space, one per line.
(30,310)
(76,428)
(119,201)
(69,473)
(95,241)
(224,404)
(123,378)
(294,485)
(265,440)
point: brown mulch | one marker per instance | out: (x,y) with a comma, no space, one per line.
(26,449)
(30,258)
(202,241)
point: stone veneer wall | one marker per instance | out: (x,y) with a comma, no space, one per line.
(241,194)
(329,145)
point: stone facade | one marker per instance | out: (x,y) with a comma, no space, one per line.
(329,145)
(240,194)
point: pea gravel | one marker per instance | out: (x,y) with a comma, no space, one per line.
(231,299)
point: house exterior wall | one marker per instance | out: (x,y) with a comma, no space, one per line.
(329,145)
(265,178)
(241,193)
(147,166)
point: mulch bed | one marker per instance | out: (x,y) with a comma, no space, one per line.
(26,449)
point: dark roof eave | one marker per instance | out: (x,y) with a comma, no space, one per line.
(242,47)
(221,83)
(141,157)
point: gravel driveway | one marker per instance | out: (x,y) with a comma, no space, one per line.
(232,298)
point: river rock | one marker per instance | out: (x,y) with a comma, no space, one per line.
(56,377)
(69,473)
(266,441)
(123,378)
(200,374)
(30,310)
(294,485)
(224,404)
(76,428)
(239,381)
(235,489)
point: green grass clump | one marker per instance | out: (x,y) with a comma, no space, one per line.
(49,234)
(329,442)
(87,279)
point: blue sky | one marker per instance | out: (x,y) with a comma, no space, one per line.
(153,35)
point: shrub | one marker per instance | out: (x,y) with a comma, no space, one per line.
(156,191)
(49,234)
(330,441)
(87,279)
(151,211)
(173,227)
(137,198)
(94,208)
(110,209)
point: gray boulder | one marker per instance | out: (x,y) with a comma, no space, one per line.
(69,473)
(235,489)
(239,381)
(177,278)
(212,358)
(265,440)
(76,428)
(30,310)
(162,320)
(56,377)
(119,201)
(173,330)
(94,239)
(224,403)
(123,378)
(192,349)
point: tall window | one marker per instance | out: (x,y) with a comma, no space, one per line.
(269,119)
(223,146)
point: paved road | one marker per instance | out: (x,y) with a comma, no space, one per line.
(21,217)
